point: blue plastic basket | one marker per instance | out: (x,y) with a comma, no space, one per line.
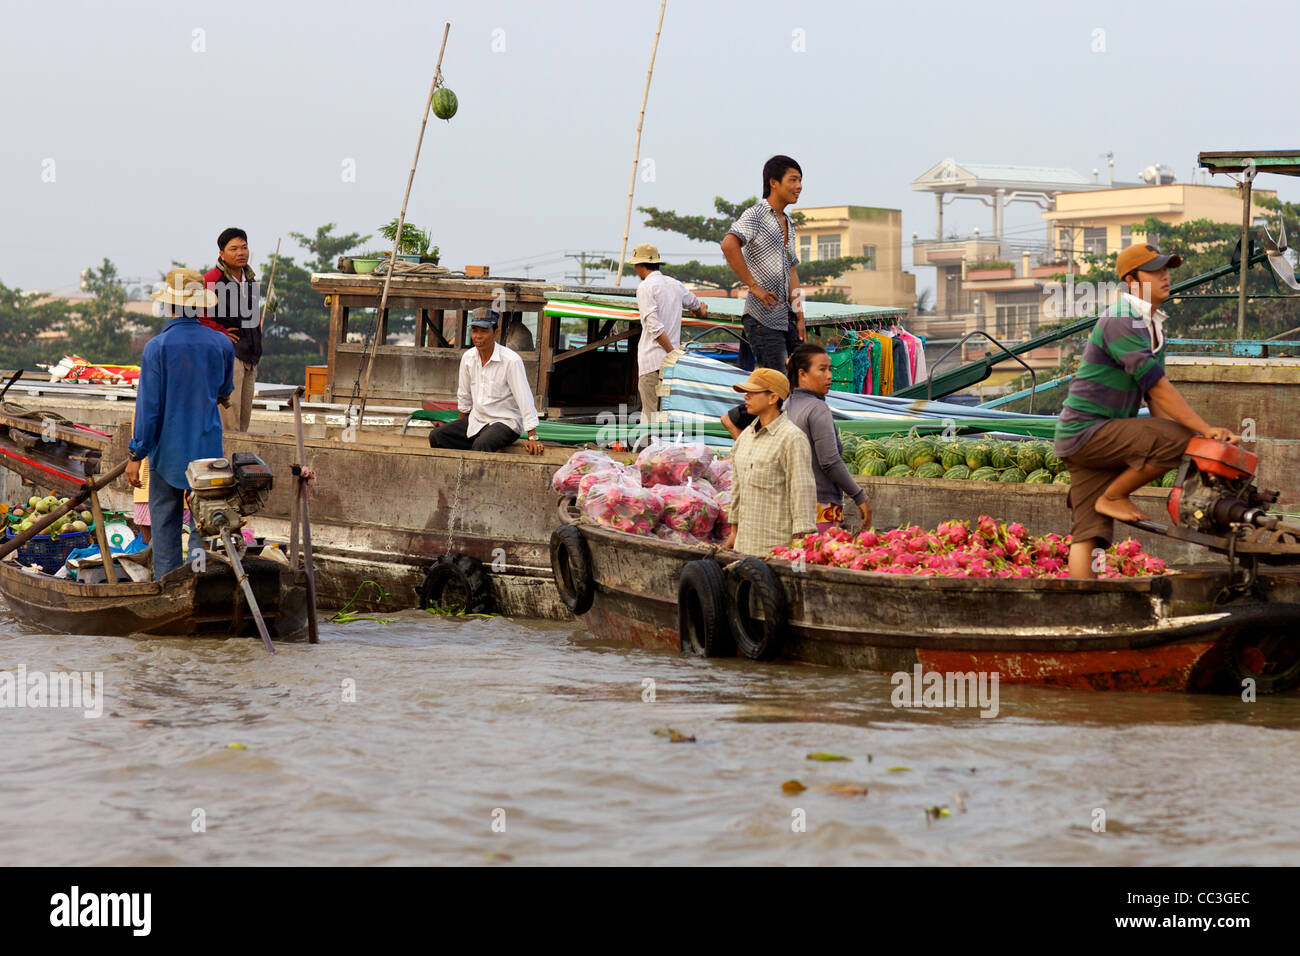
(50,555)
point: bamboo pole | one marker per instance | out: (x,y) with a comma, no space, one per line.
(1248,179)
(39,526)
(101,537)
(270,283)
(397,235)
(636,151)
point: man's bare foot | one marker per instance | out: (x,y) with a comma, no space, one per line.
(1121,509)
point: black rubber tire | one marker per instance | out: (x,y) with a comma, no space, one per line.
(1281,664)
(467,573)
(758,639)
(571,565)
(702,611)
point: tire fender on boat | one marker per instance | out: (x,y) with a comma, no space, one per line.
(571,565)
(463,570)
(702,611)
(750,582)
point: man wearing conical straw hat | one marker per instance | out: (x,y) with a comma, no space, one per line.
(186,370)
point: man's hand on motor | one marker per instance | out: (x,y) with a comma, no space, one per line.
(1224,434)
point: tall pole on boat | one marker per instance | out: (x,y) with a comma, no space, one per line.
(270,282)
(1247,178)
(397,235)
(636,152)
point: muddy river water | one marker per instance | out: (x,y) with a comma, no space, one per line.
(428,740)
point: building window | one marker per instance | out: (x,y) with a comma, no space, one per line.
(805,248)
(869,253)
(1065,243)
(1094,241)
(1016,315)
(828,247)
(1125,236)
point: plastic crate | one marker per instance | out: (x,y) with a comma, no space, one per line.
(50,555)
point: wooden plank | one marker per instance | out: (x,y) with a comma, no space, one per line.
(337,326)
(75,436)
(573,353)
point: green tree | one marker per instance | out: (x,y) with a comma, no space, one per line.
(713,229)
(98,328)
(23,318)
(327,247)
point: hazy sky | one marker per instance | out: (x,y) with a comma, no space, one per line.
(162,123)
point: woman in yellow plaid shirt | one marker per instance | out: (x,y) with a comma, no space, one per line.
(773,495)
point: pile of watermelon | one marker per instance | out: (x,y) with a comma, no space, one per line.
(1032,461)
(990,550)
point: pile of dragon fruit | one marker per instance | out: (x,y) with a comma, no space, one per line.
(990,550)
(674,491)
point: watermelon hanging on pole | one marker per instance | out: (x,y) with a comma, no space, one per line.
(444,103)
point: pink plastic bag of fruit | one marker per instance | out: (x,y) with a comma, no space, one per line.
(722,527)
(623,474)
(720,473)
(687,508)
(622,506)
(665,533)
(565,480)
(673,463)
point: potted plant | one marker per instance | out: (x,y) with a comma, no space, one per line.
(991,269)
(414,243)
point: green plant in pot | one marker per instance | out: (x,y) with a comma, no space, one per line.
(413,244)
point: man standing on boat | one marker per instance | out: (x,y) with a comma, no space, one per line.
(185,372)
(660,301)
(760,248)
(236,314)
(493,397)
(1109,450)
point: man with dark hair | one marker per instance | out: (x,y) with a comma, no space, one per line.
(659,301)
(1109,450)
(236,314)
(760,248)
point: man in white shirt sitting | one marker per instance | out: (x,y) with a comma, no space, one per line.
(659,301)
(493,397)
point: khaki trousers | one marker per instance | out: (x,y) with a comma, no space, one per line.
(237,416)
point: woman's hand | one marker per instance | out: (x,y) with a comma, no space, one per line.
(865,510)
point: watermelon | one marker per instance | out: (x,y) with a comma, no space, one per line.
(984,474)
(1001,458)
(920,452)
(444,103)
(1062,479)
(1012,476)
(952,457)
(895,454)
(850,445)
(899,471)
(930,469)
(1052,463)
(876,449)
(1040,477)
(977,456)
(957,473)
(875,467)
(1170,477)
(1029,457)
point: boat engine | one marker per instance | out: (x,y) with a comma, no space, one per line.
(226,491)
(1215,490)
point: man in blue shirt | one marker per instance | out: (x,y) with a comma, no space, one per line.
(186,370)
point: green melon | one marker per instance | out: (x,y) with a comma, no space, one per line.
(1052,463)
(444,103)
(977,456)
(1002,457)
(1170,477)
(1012,476)
(899,471)
(920,452)
(895,455)
(1063,478)
(984,474)
(1029,457)
(952,457)
(875,467)
(876,449)
(930,469)
(957,473)
(1040,477)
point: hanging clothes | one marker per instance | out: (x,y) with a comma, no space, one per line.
(902,370)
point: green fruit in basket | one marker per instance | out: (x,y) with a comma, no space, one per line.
(921,452)
(952,457)
(1002,458)
(85,516)
(79,526)
(957,473)
(895,455)
(1029,458)
(984,474)
(1040,477)
(1012,476)
(1052,463)
(1062,479)
(899,471)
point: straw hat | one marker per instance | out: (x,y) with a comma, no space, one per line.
(645,254)
(185,287)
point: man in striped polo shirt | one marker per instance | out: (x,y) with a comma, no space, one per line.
(1109,450)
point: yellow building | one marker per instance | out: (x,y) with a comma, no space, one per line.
(1103,221)
(832,231)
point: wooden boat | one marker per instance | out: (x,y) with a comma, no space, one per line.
(184,603)
(1109,634)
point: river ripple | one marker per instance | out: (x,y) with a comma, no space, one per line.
(457,720)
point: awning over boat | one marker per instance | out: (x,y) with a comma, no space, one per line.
(722,310)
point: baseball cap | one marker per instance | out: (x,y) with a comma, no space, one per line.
(1145,257)
(765,380)
(488,321)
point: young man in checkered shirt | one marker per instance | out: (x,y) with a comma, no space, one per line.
(760,248)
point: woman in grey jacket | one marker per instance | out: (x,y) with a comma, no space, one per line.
(809,370)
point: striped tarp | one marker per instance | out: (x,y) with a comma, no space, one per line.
(700,389)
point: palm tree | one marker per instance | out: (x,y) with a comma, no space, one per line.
(923,300)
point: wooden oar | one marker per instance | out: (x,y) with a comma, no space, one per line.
(13,378)
(86,491)
(301,509)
